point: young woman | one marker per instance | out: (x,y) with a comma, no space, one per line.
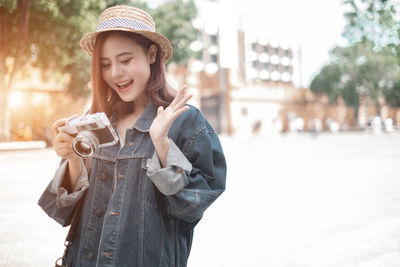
(143,196)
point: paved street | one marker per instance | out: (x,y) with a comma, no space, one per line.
(291,201)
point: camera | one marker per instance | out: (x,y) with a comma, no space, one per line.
(91,132)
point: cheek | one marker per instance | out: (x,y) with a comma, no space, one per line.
(142,71)
(105,75)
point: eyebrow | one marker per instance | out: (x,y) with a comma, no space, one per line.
(119,55)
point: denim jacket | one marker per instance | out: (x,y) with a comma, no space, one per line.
(135,212)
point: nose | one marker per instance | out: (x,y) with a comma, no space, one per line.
(116,71)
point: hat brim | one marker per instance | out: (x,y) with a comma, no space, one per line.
(88,41)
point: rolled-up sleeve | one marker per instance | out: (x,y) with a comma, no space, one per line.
(56,201)
(65,199)
(206,181)
(173,178)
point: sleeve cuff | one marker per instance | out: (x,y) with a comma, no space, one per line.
(173,178)
(63,198)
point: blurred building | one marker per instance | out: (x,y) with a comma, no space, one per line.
(244,77)
(249,82)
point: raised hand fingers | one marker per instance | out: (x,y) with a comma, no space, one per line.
(181,98)
(181,93)
(165,117)
(178,112)
(183,101)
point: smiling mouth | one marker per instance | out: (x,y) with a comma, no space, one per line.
(124,85)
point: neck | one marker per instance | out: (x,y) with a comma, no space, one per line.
(129,119)
(139,107)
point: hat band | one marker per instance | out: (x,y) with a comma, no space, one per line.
(123,23)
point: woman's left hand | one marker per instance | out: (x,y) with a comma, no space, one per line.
(164,119)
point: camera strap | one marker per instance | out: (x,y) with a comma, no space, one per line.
(72,232)
(73,229)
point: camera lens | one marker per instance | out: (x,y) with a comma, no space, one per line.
(85,144)
(83,148)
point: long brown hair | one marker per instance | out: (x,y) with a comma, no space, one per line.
(157,89)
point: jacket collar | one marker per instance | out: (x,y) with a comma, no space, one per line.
(146,118)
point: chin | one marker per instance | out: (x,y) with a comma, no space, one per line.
(127,99)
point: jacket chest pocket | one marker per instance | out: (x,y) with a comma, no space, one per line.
(132,175)
(150,194)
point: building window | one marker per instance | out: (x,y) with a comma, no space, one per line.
(287,52)
(287,68)
(213,39)
(266,66)
(254,64)
(276,67)
(276,51)
(265,49)
(214,58)
(254,46)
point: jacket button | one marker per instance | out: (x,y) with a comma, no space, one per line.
(103,176)
(90,256)
(99,213)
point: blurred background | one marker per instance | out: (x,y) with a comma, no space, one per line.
(304,94)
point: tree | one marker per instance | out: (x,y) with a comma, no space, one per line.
(46,34)
(174,20)
(370,65)
(43,34)
(359,70)
(377,21)
(17,46)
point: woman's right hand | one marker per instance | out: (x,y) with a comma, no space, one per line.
(62,142)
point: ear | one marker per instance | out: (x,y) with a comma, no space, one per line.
(152,53)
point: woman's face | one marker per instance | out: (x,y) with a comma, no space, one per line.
(125,66)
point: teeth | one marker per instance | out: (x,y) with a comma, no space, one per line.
(124,83)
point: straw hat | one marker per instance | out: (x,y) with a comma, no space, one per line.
(128,19)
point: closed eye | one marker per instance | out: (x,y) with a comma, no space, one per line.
(126,61)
